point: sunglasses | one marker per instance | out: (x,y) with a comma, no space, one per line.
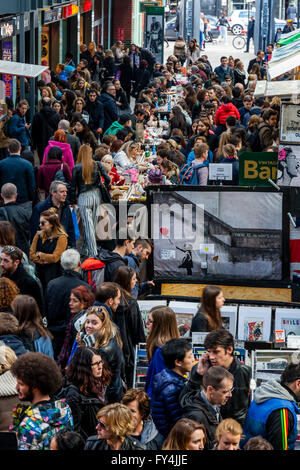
(101,424)
(9,248)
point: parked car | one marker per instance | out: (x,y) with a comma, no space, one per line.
(170,34)
(238,20)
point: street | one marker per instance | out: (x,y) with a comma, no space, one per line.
(216,51)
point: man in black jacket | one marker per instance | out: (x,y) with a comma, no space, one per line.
(250,33)
(56,199)
(114,259)
(220,345)
(12,267)
(259,59)
(44,124)
(57,297)
(204,405)
(110,108)
(18,215)
(94,108)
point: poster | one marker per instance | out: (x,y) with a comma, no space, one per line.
(247,241)
(7,54)
(270,364)
(155,34)
(145,307)
(229,318)
(288,173)
(255,168)
(288,319)
(290,123)
(185,312)
(254,323)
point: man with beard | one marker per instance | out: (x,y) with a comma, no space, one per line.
(12,268)
(38,378)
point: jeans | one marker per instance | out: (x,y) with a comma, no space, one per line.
(248,42)
(201,39)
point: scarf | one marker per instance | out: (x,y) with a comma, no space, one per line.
(88,340)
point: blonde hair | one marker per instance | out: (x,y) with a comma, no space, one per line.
(109,53)
(228,425)
(119,419)
(229,151)
(85,157)
(49,92)
(7,358)
(108,329)
(223,141)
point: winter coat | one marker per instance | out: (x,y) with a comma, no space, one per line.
(17,129)
(67,156)
(112,261)
(66,219)
(193,56)
(273,415)
(156,365)
(44,124)
(141,80)
(146,54)
(9,334)
(195,407)
(179,48)
(126,77)
(74,143)
(109,65)
(224,111)
(57,297)
(95,111)
(129,320)
(239,77)
(15,169)
(79,186)
(265,134)
(8,399)
(235,171)
(221,72)
(150,436)
(165,406)
(94,443)
(84,410)
(19,216)
(237,405)
(27,285)
(110,108)
(33,341)
(46,174)
(37,424)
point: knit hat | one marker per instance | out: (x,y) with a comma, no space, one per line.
(155,176)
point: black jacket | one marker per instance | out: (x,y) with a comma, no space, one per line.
(110,108)
(129,320)
(109,65)
(66,219)
(94,443)
(237,405)
(79,186)
(57,297)
(44,124)
(96,113)
(112,261)
(199,323)
(195,408)
(19,216)
(122,98)
(146,54)
(114,356)
(27,285)
(126,76)
(141,80)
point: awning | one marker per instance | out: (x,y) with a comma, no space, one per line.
(284,59)
(289,37)
(283,89)
(22,70)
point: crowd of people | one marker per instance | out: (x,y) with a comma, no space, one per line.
(69,328)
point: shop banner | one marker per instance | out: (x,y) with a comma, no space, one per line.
(290,124)
(7,54)
(154,35)
(256,168)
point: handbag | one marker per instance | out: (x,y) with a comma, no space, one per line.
(104,192)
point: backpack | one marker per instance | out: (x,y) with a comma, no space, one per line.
(6,126)
(59,176)
(93,272)
(189,174)
(254,141)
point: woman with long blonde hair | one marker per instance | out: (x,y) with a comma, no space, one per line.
(161,326)
(47,246)
(99,332)
(86,186)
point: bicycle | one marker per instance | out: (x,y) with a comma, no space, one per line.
(239,41)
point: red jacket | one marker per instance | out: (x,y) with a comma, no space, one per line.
(224,111)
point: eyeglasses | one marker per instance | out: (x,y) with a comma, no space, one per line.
(224,392)
(101,424)
(98,363)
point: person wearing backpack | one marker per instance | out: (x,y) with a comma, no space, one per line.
(48,170)
(266,129)
(253,141)
(196,173)
(35,337)
(88,376)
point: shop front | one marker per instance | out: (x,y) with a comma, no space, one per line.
(86,22)
(8,51)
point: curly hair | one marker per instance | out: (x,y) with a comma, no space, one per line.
(142,398)
(79,371)
(8,293)
(38,371)
(119,419)
(84,295)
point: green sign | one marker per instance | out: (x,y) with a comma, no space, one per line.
(255,168)
(154,10)
(144,5)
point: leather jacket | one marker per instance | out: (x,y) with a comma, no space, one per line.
(94,443)
(79,186)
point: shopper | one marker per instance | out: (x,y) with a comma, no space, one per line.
(186,434)
(208,317)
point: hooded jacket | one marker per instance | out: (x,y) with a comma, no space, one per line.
(36,425)
(114,128)
(110,108)
(273,415)
(112,261)
(44,124)
(17,129)
(66,150)
(196,408)
(165,406)
(265,134)
(225,110)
